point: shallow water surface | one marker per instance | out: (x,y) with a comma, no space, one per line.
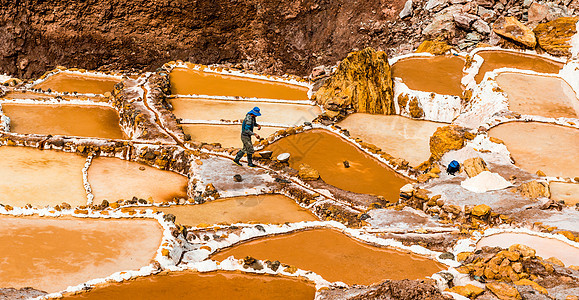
(82,84)
(504,59)
(436,74)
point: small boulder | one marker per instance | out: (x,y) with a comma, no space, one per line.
(346,164)
(511,29)
(407,10)
(554,37)
(481,210)
(446,255)
(237,178)
(284,157)
(469,290)
(435,47)
(305,172)
(474,166)
(503,291)
(537,12)
(445,139)
(534,189)
(524,250)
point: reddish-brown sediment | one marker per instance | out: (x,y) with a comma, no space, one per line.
(538,95)
(213,285)
(229,136)
(436,74)
(396,135)
(114,179)
(277,113)
(52,254)
(40,177)
(336,257)
(503,59)
(553,149)
(326,152)
(275,209)
(64,119)
(545,247)
(193,82)
(568,192)
(82,84)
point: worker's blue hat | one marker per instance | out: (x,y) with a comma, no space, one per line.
(255,111)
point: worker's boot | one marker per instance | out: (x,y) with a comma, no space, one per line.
(238,157)
(250,160)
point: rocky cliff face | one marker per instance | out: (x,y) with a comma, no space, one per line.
(279,36)
(362,83)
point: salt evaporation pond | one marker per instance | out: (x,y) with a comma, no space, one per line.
(568,192)
(276,113)
(226,135)
(545,247)
(336,257)
(538,95)
(51,254)
(266,209)
(114,179)
(396,135)
(436,74)
(40,177)
(326,152)
(82,84)
(210,286)
(64,119)
(540,146)
(192,82)
(505,59)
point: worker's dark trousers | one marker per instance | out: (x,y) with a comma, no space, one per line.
(247,148)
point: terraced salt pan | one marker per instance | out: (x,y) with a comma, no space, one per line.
(114,179)
(326,152)
(539,146)
(52,254)
(568,192)
(545,247)
(351,262)
(273,113)
(398,136)
(82,84)
(270,209)
(436,74)
(227,135)
(545,96)
(40,177)
(64,119)
(506,59)
(213,285)
(193,82)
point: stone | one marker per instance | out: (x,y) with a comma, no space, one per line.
(442,25)
(537,12)
(284,157)
(486,14)
(481,27)
(481,210)
(474,166)
(524,250)
(486,3)
(407,10)
(503,291)
(445,139)
(555,261)
(533,284)
(346,164)
(237,178)
(464,20)
(462,256)
(453,209)
(469,290)
(513,30)
(435,47)
(435,5)
(554,37)
(534,189)
(305,172)
(446,255)
(414,109)
(362,81)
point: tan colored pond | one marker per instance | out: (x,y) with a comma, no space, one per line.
(192,82)
(114,179)
(40,177)
(545,96)
(540,146)
(82,84)
(227,135)
(504,59)
(270,209)
(396,135)
(64,119)
(52,254)
(545,247)
(326,152)
(336,257)
(568,192)
(210,286)
(278,113)
(436,74)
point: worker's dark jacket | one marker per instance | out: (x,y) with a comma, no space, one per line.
(248,124)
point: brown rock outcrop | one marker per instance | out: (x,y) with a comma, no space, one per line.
(363,82)
(554,36)
(516,31)
(534,189)
(474,166)
(306,172)
(434,47)
(447,138)
(503,291)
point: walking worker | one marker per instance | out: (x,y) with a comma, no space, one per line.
(246,132)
